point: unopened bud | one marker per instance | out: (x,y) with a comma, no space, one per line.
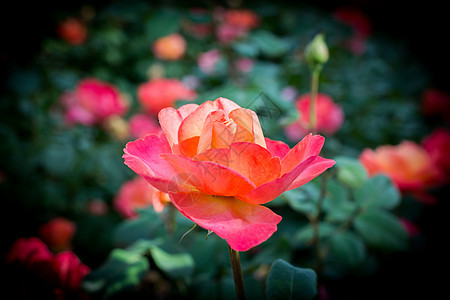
(316,52)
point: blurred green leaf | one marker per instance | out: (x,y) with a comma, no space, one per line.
(378,191)
(123,270)
(163,22)
(381,230)
(288,282)
(269,44)
(148,225)
(175,265)
(350,171)
(347,249)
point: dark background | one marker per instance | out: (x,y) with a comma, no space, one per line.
(418,274)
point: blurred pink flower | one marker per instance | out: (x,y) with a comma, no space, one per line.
(72,31)
(436,103)
(411,228)
(67,273)
(360,25)
(159,93)
(408,165)
(208,60)
(244,65)
(93,101)
(142,124)
(234,23)
(97,207)
(330,117)
(28,252)
(138,193)
(58,233)
(170,47)
(438,146)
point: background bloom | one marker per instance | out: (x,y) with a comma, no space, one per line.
(408,165)
(137,193)
(142,124)
(330,117)
(438,146)
(218,168)
(436,103)
(159,93)
(72,30)
(28,252)
(58,233)
(170,47)
(93,101)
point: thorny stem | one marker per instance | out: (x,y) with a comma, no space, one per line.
(237,273)
(313,103)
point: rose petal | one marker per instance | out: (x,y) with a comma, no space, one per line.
(248,127)
(270,190)
(317,167)
(215,133)
(170,120)
(192,125)
(250,160)
(143,157)
(209,177)
(277,148)
(310,145)
(241,224)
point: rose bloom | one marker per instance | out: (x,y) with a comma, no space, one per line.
(438,146)
(72,31)
(242,18)
(329,119)
(361,27)
(137,193)
(170,47)
(142,124)
(93,101)
(28,252)
(67,273)
(58,233)
(218,169)
(408,165)
(159,93)
(208,60)
(436,102)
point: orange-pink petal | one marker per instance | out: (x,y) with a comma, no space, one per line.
(209,177)
(143,157)
(248,126)
(250,160)
(241,224)
(317,167)
(170,120)
(310,145)
(277,148)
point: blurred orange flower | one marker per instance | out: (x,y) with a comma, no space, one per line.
(170,47)
(159,93)
(408,165)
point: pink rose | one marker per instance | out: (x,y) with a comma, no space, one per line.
(142,124)
(218,169)
(330,117)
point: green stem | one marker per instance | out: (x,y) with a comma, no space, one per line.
(237,273)
(313,104)
(316,222)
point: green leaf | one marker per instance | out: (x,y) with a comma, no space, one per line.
(146,226)
(176,265)
(122,270)
(350,171)
(306,234)
(348,249)
(378,191)
(269,44)
(162,23)
(303,199)
(381,230)
(288,282)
